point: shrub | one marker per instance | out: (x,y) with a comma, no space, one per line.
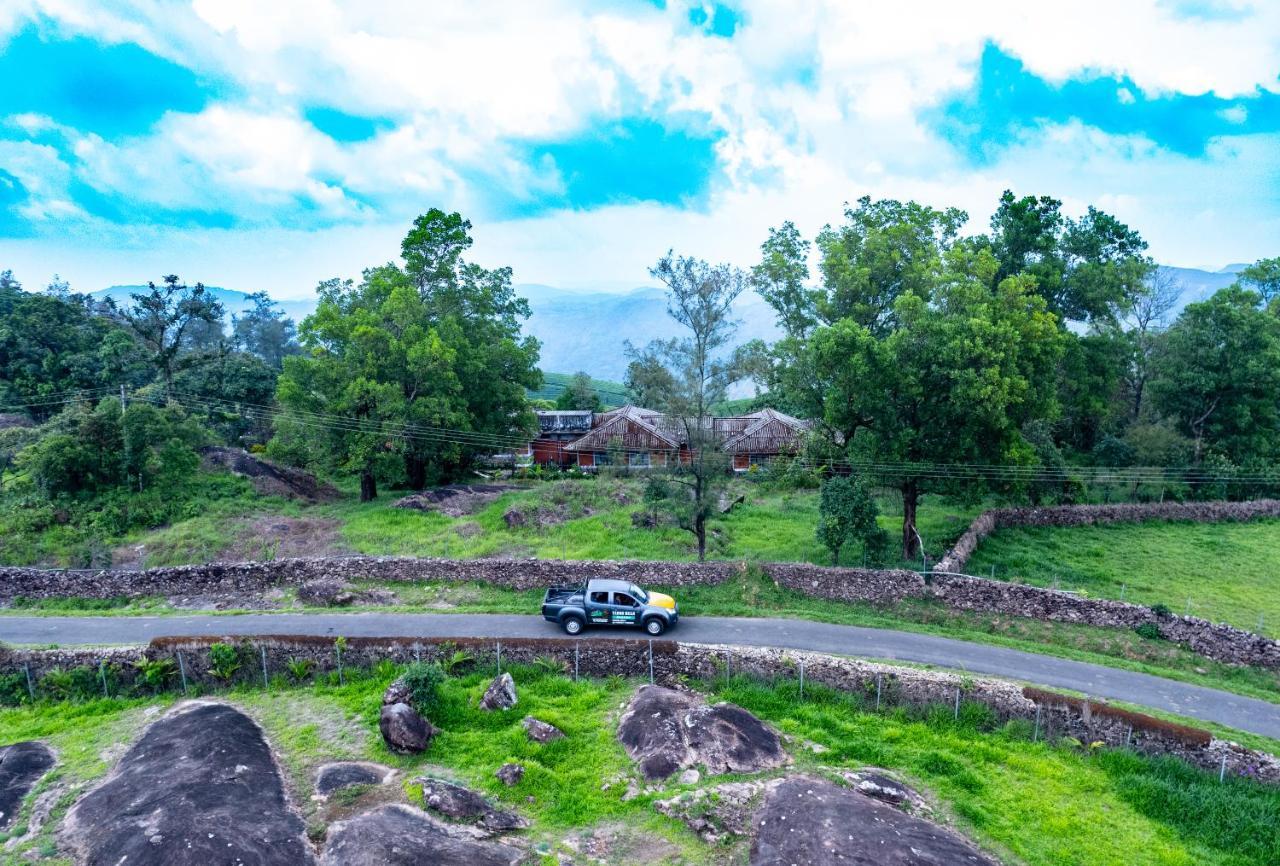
(1149,630)
(456,661)
(300,669)
(1161,610)
(423,680)
(155,674)
(13,689)
(78,683)
(224,661)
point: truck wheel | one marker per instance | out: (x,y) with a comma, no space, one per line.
(572,625)
(654,626)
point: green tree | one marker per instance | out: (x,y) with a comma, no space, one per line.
(164,318)
(50,346)
(701,366)
(580,394)
(425,364)
(231,390)
(1086,270)
(1263,276)
(781,279)
(648,380)
(1218,377)
(952,382)
(847,513)
(265,331)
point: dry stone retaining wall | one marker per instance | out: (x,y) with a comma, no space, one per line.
(880,685)
(1087,515)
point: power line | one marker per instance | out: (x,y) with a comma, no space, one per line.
(480,440)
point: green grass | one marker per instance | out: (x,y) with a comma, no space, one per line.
(1033,803)
(1229,572)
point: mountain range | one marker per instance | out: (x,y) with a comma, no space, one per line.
(588,330)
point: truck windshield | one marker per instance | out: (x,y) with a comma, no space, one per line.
(640,594)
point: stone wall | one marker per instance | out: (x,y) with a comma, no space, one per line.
(1087,515)
(880,686)
(1219,642)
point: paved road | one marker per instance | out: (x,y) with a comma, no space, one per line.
(1247,714)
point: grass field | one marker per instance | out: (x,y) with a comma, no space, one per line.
(1031,803)
(1225,572)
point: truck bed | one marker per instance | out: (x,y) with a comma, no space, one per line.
(561,594)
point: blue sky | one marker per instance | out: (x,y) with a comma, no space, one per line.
(272,146)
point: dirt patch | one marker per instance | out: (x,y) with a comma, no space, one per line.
(277,537)
(454,500)
(269,479)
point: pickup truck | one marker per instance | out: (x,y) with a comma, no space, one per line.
(609,602)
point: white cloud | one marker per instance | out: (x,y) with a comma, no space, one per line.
(816,104)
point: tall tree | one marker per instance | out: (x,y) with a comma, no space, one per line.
(952,382)
(782,279)
(579,394)
(1146,318)
(265,331)
(1087,269)
(648,380)
(164,316)
(700,297)
(1263,276)
(1218,377)
(427,359)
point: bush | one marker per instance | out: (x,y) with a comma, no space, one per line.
(423,679)
(155,674)
(1161,610)
(224,661)
(1149,630)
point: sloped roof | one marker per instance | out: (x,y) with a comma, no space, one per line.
(634,428)
(770,431)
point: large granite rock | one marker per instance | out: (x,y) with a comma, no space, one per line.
(404,729)
(401,836)
(810,821)
(665,730)
(501,694)
(541,732)
(21,766)
(198,787)
(463,804)
(344,774)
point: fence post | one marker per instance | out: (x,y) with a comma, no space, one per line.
(650,662)
(879,683)
(728,667)
(1035,737)
(31,689)
(576,645)
(337,650)
(1128,736)
(499,658)
(1222,771)
(102,672)
(417,652)
(263,650)
(802,679)
(957,703)
(182,672)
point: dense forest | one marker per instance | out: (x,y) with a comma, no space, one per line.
(1029,363)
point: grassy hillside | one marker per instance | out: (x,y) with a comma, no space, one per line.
(1030,803)
(1225,572)
(555,384)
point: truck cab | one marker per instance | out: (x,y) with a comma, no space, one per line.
(609,602)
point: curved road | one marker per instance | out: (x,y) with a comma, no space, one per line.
(1235,711)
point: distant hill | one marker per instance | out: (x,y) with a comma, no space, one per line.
(587,330)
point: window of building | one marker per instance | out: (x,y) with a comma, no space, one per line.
(638,459)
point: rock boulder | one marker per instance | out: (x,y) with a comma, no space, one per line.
(404,729)
(21,766)
(510,774)
(401,836)
(198,787)
(811,821)
(463,804)
(344,774)
(665,730)
(501,694)
(540,731)
(325,592)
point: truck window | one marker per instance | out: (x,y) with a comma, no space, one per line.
(599,598)
(623,599)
